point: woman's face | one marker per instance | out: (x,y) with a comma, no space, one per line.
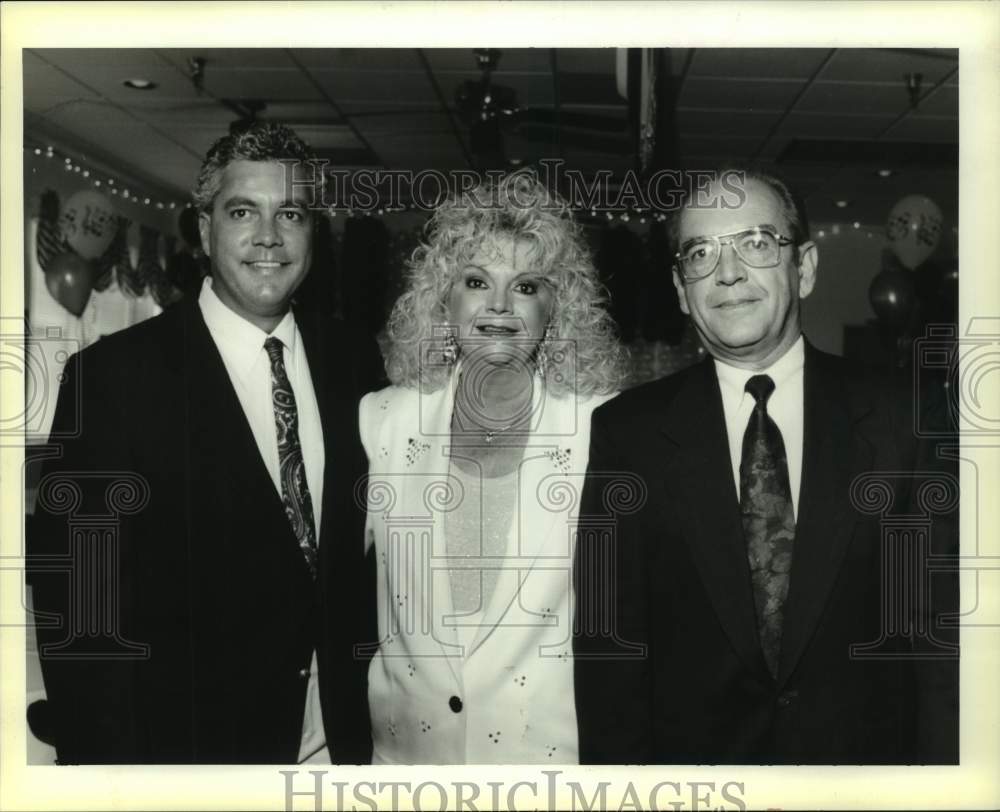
(500,303)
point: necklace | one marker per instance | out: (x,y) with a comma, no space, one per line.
(492,433)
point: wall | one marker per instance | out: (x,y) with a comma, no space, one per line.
(56,330)
(849,258)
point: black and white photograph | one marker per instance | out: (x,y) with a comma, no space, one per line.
(546,414)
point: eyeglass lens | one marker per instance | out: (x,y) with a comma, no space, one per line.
(757,248)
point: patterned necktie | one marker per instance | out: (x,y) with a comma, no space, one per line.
(768,518)
(292,468)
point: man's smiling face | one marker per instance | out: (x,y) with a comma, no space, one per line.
(746,316)
(258,235)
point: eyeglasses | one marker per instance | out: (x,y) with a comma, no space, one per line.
(758,247)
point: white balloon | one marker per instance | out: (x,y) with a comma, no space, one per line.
(88,222)
(914,229)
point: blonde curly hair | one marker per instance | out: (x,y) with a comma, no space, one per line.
(519,206)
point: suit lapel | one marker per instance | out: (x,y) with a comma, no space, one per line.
(227,473)
(426,487)
(314,342)
(697,468)
(834,451)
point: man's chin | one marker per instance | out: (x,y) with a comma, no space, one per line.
(737,346)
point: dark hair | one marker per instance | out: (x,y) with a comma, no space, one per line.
(261,141)
(792,207)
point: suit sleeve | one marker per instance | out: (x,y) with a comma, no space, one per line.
(937,673)
(612,671)
(92,694)
(367,418)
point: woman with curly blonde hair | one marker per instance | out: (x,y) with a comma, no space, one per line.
(498,352)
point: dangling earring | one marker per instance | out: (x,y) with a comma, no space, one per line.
(450,351)
(542,353)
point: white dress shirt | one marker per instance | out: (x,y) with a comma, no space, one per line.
(241,345)
(785,406)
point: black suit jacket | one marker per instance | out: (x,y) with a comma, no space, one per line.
(669,667)
(176,615)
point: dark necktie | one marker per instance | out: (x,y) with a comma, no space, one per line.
(768,518)
(292,468)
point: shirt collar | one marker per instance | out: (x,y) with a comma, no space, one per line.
(239,341)
(733,380)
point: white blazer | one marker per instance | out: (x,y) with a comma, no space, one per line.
(508,699)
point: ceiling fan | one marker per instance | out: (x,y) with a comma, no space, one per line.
(492,112)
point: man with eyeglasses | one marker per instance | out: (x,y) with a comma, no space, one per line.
(734,610)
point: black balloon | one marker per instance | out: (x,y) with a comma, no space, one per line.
(70,279)
(892,296)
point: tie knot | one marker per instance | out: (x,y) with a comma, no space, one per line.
(761,387)
(273,346)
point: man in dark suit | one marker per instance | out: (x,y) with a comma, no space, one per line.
(738,600)
(197,561)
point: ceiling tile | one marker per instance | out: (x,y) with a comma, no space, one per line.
(942,102)
(429,154)
(925,129)
(591,162)
(450,59)
(359,59)
(291,112)
(719,122)
(751,94)
(529,89)
(198,138)
(678,59)
(85,119)
(532,60)
(588,87)
(73,59)
(136,144)
(729,104)
(719,146)
(348,87)
(410,123)
(260,83)
(799,125)
(586,60)
(46,86)
(775,63)
(356,107)
(773,147)
(229,58)
(181,111)
(887,65)
(618,111)
(325,136)
(853,97)
(104,70)
(805,173)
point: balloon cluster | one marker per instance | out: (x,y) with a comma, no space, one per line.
(914,232)
(84,229)
(80,245)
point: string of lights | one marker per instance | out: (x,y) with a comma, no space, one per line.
(126,191)
(625,215)
(102,180)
